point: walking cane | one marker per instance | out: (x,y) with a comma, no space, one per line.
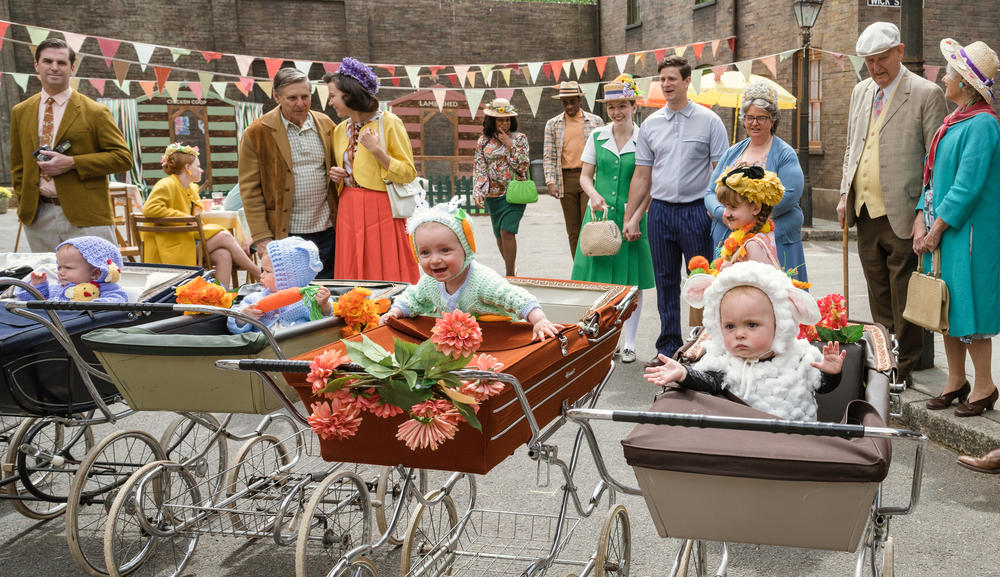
(847,294)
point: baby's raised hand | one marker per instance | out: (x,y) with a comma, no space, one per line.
(391,313)
(38,277)
(833,359)
(544,328)
(669,372)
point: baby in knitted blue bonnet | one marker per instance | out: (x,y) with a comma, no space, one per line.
(446,250)
(89,268)
(291,262)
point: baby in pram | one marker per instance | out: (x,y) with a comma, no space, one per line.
(752,313)
(446,250)
(89,269)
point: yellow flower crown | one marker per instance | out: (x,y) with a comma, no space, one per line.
(174,148)
(753,183)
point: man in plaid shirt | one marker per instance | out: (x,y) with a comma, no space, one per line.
(565,137)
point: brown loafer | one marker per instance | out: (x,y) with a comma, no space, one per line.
(988,463)
(654,362)
(944,400)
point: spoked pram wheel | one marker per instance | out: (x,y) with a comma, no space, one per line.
(186,438)
(362,567)
(257,460)
(423,545)
(335,521)
(614,546)
(101,474)
(142,535)
(46,471)
(387,497)
(879,556)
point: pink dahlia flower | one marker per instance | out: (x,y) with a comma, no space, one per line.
(337,422)
(426,433)
(323,366)
(457,334)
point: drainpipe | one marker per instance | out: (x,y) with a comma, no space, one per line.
(911,27)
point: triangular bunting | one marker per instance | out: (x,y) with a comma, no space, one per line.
(220,88)
(788,53)
(643,84)
(527,74)
(147,87)
(176,53)
(857,62)
(272,64)
(507,93)
(21,79)
(331,67)
(454,79)
(556,66)
(715,47)
(3,32)
(732,44)
(125,86)
(840,59)
(696,76)
(487,70)
(589,90)
(660,54)
(439,96)
(601,62)
(73,40)
(579,67)
(470,78)
(413,73)
(680,50)
(931,72)
(390,68)
(161,76)
(195,88)
(143,52)
(505,74)
(533,69)
(698,47)
(718,70)
(173,87)
(121,70)
(640,58)
(266,87)
(245,85)
(473,97)
(205,78)
(771,63)
(108,49)
(303,66)
(37,35)
(434,71)
(621,60)
(744,66)
(323,93)
(462,71)
(566,68)
(547,69)
(395,81)
(210,56)
(74,83)
(533,94)
(243,63)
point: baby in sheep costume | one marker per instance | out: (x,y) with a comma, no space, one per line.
(752,315)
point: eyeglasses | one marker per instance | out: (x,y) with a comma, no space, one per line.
(757,119)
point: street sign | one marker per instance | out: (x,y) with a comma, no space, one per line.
(885,3)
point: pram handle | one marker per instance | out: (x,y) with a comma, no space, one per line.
(278,366)
(119,306)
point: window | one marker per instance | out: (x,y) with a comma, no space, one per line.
(815,98)
(633,13)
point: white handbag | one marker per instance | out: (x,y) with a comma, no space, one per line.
(402,196)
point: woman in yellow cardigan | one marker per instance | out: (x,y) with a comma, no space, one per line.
(177,195)
(370,243)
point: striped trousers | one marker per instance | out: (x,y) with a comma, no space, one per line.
(677,233)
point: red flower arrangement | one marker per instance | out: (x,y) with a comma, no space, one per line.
(833,324)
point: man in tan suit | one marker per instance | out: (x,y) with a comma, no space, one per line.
(285,156)
(62,196)
(893,117)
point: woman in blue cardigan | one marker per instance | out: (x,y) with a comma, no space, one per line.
(763,148)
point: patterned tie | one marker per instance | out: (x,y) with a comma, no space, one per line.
(48,128)
(879,102)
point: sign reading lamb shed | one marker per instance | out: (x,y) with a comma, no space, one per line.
(885,3)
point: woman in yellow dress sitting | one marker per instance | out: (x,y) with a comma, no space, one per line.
(177,195)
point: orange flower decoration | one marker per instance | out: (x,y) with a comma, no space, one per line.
(201,292)
(698,262)
(358,311)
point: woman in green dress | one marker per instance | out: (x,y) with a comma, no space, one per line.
(608,164)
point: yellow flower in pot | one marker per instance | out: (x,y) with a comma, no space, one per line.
(5,196)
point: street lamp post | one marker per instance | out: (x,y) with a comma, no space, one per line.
(806,13)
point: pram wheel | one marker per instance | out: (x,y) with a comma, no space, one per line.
(423,545)
(45,475)
(387,495)
(614,546)
(361,567)
(102,473)
(160,495)
(259,458)
(186,438)
(880,556)
(335,521)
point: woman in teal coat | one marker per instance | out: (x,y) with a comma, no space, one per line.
(958,215)
(608,164)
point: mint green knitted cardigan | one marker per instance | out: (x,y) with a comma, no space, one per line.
(484,292)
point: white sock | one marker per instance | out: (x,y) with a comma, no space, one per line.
(632,326)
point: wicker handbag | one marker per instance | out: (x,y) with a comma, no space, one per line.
(600,237)
(927,297)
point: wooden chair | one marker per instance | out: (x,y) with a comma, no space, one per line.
(171,224)
(128,240)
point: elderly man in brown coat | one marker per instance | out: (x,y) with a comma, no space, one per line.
(284,159)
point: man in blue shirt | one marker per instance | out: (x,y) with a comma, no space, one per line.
(678,147)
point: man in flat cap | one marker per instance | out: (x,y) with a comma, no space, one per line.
(892,120)
(565,137)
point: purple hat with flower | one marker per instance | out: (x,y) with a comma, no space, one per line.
(360,72)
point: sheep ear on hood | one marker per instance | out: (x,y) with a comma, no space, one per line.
(695,287)
(804,308)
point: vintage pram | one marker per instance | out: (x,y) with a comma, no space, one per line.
(713,469)
(325,506)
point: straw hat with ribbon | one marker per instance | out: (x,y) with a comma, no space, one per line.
(500,108)
(621,88)
(976,64)
(568,89)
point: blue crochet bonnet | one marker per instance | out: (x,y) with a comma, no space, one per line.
(294,262)
(100,254)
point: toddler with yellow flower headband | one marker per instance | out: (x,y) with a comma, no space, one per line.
(749,194)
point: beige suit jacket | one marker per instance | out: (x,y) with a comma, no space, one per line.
(267,184)
(915,113)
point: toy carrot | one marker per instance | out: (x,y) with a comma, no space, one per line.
(279,299)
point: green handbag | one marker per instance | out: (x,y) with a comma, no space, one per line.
(522,192)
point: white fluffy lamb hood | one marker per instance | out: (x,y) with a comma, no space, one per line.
(792,306)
